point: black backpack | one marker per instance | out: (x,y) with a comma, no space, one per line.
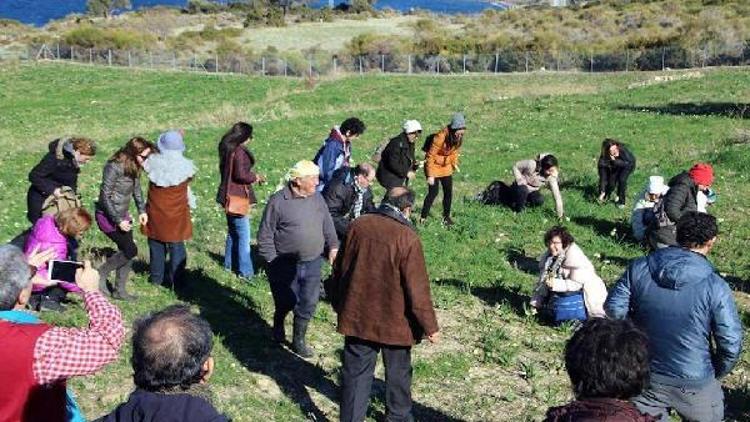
(493,194)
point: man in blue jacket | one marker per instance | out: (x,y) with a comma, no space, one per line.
(675,296)
(336,151)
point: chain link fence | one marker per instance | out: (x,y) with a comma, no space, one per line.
(322,64)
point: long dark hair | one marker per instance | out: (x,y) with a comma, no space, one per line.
(607,144)
(451,141)
(235,136)
(127,156)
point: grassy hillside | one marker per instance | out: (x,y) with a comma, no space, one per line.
(496,362)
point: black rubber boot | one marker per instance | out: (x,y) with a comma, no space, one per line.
(111,264)
(279,336)
(298,340)
(122,279)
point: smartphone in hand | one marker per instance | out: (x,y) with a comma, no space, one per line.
(64,270)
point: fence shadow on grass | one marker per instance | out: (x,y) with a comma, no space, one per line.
(494,295)
(733,110)
(247,335)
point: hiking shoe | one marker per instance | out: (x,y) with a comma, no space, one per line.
(447,222)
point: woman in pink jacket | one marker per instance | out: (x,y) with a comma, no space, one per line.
(55,233)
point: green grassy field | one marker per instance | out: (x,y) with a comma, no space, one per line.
(496,362)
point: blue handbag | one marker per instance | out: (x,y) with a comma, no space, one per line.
(568,306)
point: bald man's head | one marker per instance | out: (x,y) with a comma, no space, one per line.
(170,348)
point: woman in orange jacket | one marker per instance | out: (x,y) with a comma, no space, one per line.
(441,161)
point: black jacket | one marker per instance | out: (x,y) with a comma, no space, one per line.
(626,160)
(679,200)
(396,160)
(57,169)
(174,407)
(340,195)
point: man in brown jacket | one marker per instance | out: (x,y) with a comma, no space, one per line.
(382,297)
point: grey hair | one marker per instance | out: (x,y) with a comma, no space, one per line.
(14,275)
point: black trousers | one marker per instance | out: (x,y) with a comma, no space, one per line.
(124,242)
(609,178)
(357,375)
(432,192)
(518,197)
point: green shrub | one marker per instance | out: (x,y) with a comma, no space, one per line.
(88,36)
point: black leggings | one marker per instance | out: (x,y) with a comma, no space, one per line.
(609,178)
(124,242)
(432,191)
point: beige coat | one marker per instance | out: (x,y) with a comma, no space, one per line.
(578,274)
(526,174)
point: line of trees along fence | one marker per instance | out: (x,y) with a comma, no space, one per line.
(324,64)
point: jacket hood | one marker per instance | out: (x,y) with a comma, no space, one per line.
(61,148)
(677,268)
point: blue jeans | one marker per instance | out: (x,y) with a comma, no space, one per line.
(237,251)
(160,271)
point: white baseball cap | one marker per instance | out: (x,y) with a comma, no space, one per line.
(411,126)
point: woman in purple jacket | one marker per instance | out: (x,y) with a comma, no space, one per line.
(235,158)
(55,233)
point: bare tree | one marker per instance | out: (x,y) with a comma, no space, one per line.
(106,7)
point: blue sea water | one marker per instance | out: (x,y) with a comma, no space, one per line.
(39,12)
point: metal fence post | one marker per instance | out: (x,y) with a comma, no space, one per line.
(130,62)
(150,60)
(216,63)
(382,63)
(174,61)
(109,57)
(286,67)
(360,65)
(309,60)
(526,59)
(335,65)
(627,59)
(91,56)
(263,66)
(410,64)
(663,57)
(497,61)
(464,63)
(591,62)
(58,51)
(437,68)
(72,53)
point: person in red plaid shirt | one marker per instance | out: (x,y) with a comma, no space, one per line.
(39,358)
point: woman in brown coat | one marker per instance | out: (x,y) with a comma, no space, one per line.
(168,209)
(441,160)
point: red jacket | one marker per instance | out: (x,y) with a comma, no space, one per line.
(21,397)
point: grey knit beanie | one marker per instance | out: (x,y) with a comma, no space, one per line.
(458,121)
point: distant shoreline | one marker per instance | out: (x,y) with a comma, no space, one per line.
(39,13)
